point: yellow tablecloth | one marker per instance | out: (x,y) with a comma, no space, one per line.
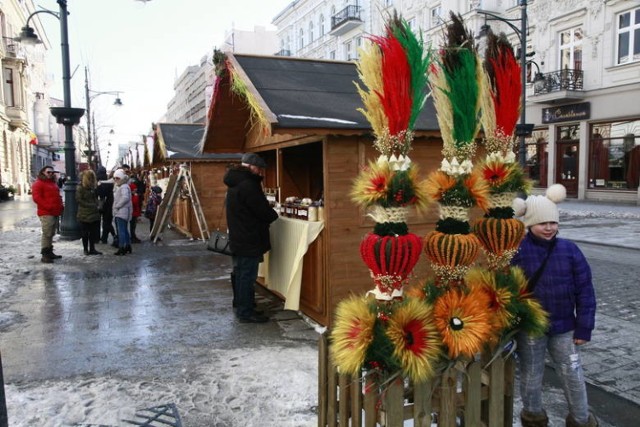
(282,266)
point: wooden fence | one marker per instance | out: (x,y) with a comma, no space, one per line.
(470,394)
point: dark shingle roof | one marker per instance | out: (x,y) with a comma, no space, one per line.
(181,141)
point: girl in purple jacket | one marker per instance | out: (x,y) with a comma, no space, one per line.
(560,278)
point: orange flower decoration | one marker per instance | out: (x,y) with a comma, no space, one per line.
(463,322)
(438,183)
(478,189)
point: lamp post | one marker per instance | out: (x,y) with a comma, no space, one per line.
(523,129)
(89,96)
(67,116)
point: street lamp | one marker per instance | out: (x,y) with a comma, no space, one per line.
(523,129)
(89,96)
(66,116)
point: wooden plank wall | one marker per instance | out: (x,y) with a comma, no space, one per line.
(347,224)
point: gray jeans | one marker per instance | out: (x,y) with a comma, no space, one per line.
(563,352)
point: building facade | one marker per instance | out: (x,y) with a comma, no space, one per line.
(583,74)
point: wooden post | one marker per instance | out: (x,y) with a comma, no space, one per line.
(393,404)
(496,392)
(448,388)
(422,394)
(323,374)
(473,394)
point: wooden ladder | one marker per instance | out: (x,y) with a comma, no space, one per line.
(165,209)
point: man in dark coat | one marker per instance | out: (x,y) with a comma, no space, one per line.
(248,217)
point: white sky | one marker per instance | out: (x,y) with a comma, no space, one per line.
(138,48)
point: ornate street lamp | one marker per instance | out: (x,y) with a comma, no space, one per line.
(67,116)
(89,96)
(523,129)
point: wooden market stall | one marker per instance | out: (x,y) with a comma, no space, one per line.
(301,116)
(176,145)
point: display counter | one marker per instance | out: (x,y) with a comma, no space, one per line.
(282,267)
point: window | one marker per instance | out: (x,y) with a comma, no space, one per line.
(310,31)
(301,39)
(571,49)
(9,95)
(348,51)
(321,26)
(614,155)
(412,24)
(332,54)
(435,19)
(628,37)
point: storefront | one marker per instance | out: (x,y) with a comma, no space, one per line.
(596,157)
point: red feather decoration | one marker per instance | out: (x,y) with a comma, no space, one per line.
(507,89)
(396,80)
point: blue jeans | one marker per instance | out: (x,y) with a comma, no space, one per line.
(245,269)
(124,239)
(531,353)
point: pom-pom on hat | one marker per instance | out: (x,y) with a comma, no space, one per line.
(254,159)
(539,209)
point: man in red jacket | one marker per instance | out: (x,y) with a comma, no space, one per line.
(46,195)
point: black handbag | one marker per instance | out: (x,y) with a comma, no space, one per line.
(219,242)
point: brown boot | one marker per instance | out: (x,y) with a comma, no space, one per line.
(591,422)
(46,256)
(530,419)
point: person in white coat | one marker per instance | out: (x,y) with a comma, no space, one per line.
(122,210)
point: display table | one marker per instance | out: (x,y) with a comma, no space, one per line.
(282,266)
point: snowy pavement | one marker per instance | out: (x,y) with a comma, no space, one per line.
(91,340)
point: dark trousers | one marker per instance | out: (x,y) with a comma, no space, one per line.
(245,270)
(89,233)
(132,227)
(107,226)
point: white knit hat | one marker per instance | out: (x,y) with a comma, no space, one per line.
(119,174)
(539,209)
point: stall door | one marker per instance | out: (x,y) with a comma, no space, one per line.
(567,166)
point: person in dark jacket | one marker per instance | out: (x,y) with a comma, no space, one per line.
(105,195)
(46,195)
(88,215)
(560,279)
(248,217)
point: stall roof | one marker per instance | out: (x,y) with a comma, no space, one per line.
(180,141)
(297,97)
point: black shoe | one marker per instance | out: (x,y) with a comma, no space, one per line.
(135,240)
(86,252)
(127,249)
(94,252)
(121,251)
(254,318)
(104,241)
(45,259)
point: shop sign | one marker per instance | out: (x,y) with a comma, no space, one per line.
(567,113)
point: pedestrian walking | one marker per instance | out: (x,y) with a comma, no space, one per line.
(560,278)
(135,213)
(105,204)
(88,214)
(122,210)
(46,195)
(248,217)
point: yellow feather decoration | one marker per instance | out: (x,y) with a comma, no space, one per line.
(352,334)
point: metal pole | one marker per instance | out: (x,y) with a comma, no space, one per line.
(88,114)
(522,152)
(69,226)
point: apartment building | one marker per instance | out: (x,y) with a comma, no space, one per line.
(582,73)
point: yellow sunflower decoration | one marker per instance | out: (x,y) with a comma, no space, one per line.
(417,344)
(352,334)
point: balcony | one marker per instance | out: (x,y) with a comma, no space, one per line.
(558,86)
(17,116)
(345,20)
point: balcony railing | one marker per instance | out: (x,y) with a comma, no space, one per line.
(349,13)
(557,81)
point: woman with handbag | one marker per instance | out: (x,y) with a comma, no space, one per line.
(560,278)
